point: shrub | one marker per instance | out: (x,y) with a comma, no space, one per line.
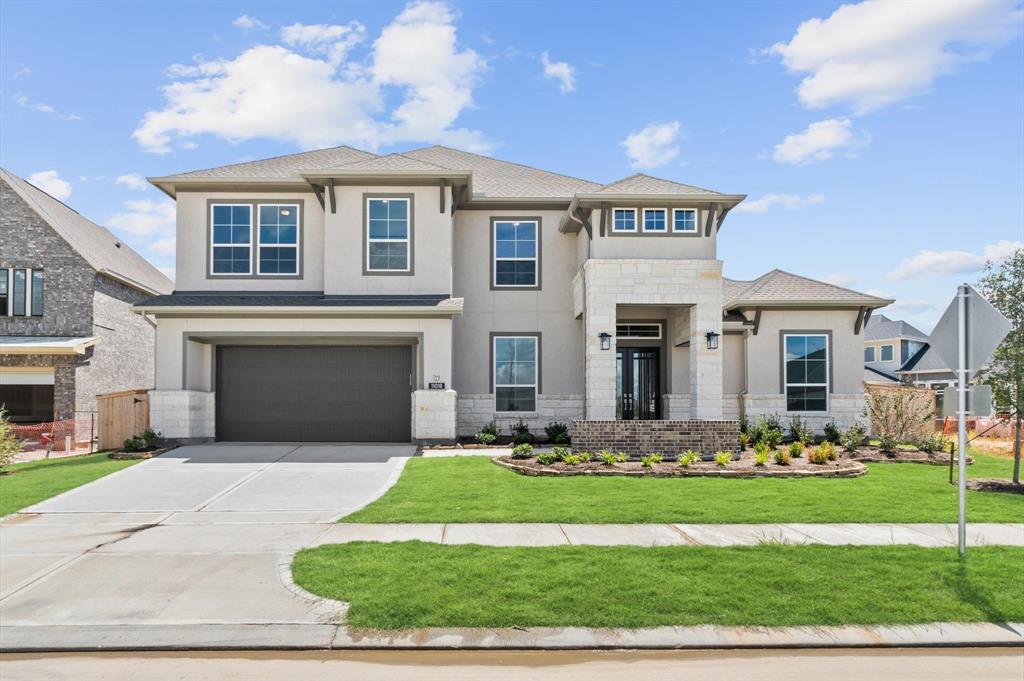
(558,433)
(853,437)
(773,437)
(933,442)
(9,445)
(607,458)
(571,459)
(903,413)
(832,432)
(722,458)
(688,457)
(483,438)
(888,444)
(648,460)
(782,457)
(796,449)
(773,422)
(491,428)
(150,436)
(820,454)
(829,450)
(762,448)
(560,452)
(521,433)
(800,431)
(761,458)
(744,441)
(547,458)
(622,457)
(134,444)
(744,424)
(584,457)
(523,451)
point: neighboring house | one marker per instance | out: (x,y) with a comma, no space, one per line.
(67,287)
(896,352)
(338,295)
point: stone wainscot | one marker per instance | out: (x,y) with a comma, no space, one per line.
(671,438)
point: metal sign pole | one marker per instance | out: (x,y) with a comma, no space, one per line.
(961,414)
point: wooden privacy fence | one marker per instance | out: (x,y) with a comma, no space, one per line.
(121,415)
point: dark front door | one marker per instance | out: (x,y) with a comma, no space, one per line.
(317,393)
(637,378)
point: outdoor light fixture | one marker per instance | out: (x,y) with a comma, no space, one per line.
(606,340)
(712,340)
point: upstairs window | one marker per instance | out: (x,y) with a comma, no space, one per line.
(387,242)
(5,298)
(37,293)
(806,372)
(655,220)
(278,239)
(887,353)
(624,220)
(684,220)
(231,239)
(21,292)
(515,253)
(869,354)
(515,373)
(19,287)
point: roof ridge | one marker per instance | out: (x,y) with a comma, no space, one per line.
(501,160)
(279,156)
(659,179)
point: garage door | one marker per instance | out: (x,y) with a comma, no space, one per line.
(317,393)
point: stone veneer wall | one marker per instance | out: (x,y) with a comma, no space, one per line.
(433,415)
(183,415)
(477,410)
(845,410)
(668,437)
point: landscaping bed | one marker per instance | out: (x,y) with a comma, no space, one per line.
(995,485)
(744,467)
(875,455)
(133,455)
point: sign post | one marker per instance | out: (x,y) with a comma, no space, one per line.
(967,334)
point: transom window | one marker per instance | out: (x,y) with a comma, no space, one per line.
(655,220)
(634,330)
(684,220)
(387,242)
(515,373)
(231,239)
(515,253)
(887,353)
(278,239)
(869,354)
(624,220)
(21,292)
(806,371)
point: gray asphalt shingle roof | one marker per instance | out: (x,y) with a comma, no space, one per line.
(287,167)
(928,360)
(881,327)
(638,183)
(777,286)
(103,250)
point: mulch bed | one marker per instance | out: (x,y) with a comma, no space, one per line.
(121,455)
(875,455)
(995,485)
(742,468)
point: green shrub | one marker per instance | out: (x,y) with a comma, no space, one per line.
(744,441)
(761,458)
(796,449)
(744,424)
(607,458)
(853,437)
(483,438)
(832,432)
(772,422)
(9,445)
(523,451)
(762,447)
(888,444)
(933,442)
(772,436)
(800,431)
(150,436)
(521,434)
(547,458)
(584,457)
(134,444)
(829,450)
(818,455)
(558,433)
(723,458)
(782,457)
(648,460)
(571,459)
(491,428)
(689,457)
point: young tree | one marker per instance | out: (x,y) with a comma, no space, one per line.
(1003,286)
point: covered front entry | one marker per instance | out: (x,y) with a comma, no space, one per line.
(637,383)
(314,393)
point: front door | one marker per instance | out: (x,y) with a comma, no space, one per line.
(637,379)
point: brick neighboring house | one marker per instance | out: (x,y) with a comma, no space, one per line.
(67,287)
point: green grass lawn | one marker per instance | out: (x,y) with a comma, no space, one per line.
(625,586)
(472,489)
(32,482)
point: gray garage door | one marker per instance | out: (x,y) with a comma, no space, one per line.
(314,393)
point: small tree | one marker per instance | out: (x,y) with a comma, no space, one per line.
(1003,286)
(9,445)
(899,413)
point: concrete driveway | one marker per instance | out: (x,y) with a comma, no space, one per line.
(199,537)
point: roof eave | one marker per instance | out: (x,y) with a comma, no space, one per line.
(728,199)
(449,308)
(873,303)
(78,348)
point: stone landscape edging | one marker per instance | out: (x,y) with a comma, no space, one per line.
(857,470)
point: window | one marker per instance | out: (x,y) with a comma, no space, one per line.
(624,220)
(4,297)
(231,239)
(655,220)
(387,242)
(515,253)
(806,371)
(684,220)
(869,354)
(515,373)
(21,292)
(278,239)
(887,353)
(635,330)
(37,293)
(18,290)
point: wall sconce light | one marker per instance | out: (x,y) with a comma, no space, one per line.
(712,340)
(606,340)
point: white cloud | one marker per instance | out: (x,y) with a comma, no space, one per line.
(246,23)
(51,183)
(653,146)
(168,272)
(946,263)
(145,218)
(321,97)
(165,246)
(844,279)
(787,201)
(42,107)
(871,54)
(132,181)
(560,71)
(820,141)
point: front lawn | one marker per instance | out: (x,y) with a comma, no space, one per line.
(32,482)
(474,490)
(414,584)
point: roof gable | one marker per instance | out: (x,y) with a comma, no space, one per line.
(881,327)
(778,287)
(639,183)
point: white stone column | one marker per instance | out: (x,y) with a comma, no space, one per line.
(705,364)
(434,415)
(598,318)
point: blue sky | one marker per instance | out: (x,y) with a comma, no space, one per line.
(881,144)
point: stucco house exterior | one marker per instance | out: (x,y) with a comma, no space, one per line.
(897,352)
(67,328)
(340,295)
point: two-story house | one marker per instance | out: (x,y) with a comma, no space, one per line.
(895,351)
(336,295)
(67,328)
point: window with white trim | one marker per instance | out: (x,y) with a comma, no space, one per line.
(624,220)
(515,373)
(869,353)
(278,239)
(655,220)
(387,235)
(806,372)
(21,292)
(887,353)
(230,238)
(684,220)
(515,253)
